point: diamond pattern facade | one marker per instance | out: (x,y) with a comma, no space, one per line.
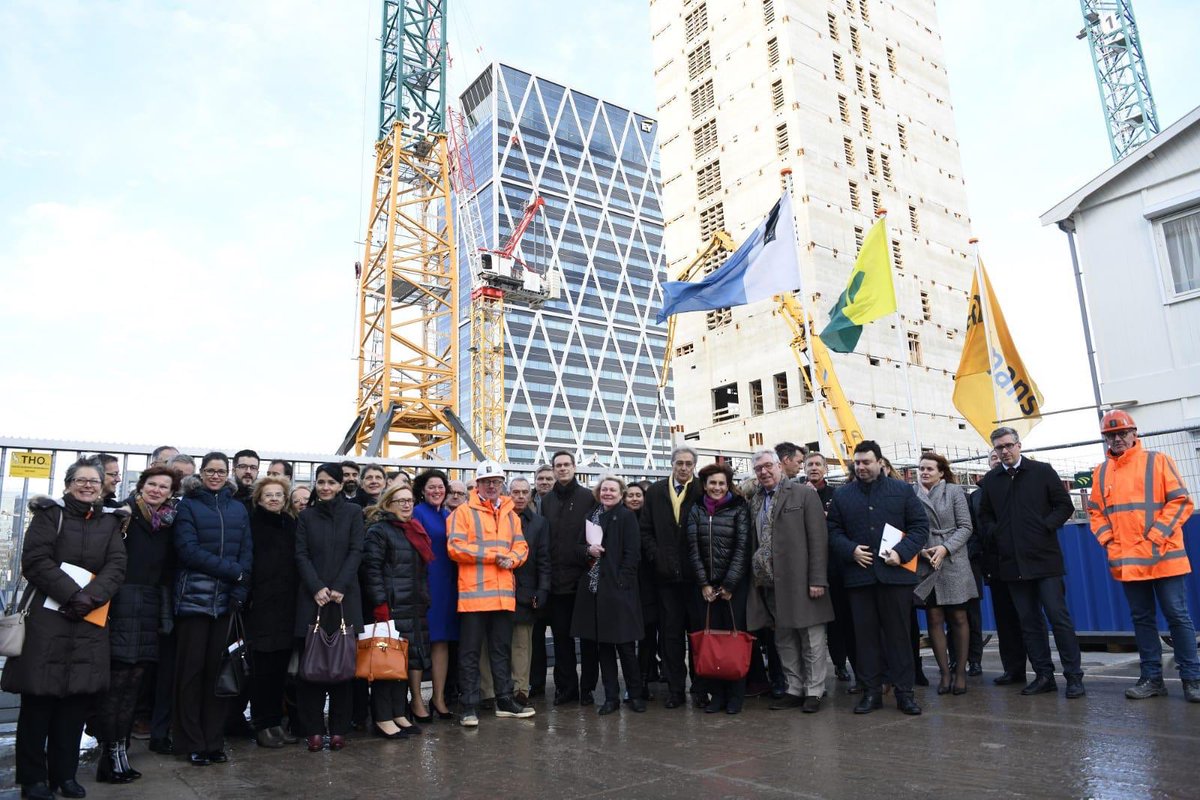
(582,371)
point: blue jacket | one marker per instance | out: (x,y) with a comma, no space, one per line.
(857,515)
(212,540)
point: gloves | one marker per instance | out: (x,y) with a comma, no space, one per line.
(382,612)
(80,605)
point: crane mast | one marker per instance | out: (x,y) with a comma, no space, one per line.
(408,292)
(1112,35)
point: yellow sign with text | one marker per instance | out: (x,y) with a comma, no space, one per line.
(29,465)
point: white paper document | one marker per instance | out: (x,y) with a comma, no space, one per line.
(381,630)
(594,533)
(891,537)
(80,575)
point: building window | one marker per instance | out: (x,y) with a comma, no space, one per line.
(876,203)
(864,11)
(702,98)
(866,120)
(838,71)
(684,349)
(872,162)
(806,385)
(695,23)
(1179,247)
(860,79)
(927,308)
(833,26)
(886,162)
(718,318)
(897,260)
(891,59)
(704,138)
(708,179)
(756,398)
(772,52)
(914,221)
(725,402)
(875,91)
(781,139)
(858,238)
(844,109)
(914,348)
(854,203)
(902,133)
(712,219)
(777,95)
(848,149)
(855,44)
(781,391)
(699,60)
(769,11)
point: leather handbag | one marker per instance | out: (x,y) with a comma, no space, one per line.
(382,658)
(721,655)
(328,657)
(234,674)
(12,626)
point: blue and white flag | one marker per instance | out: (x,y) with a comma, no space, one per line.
(763,266)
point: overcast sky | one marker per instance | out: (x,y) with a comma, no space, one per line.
(182,186)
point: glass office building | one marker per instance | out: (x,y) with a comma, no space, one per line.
(582,371)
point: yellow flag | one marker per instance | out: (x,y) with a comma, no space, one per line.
(992,387)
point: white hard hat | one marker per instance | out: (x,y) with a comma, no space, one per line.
(488,469)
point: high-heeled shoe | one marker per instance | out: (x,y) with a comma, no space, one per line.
(109,769)
(958,688)
(415,717)
(410,729)
(123,753)
(944,685)
(440,714)
(382,734)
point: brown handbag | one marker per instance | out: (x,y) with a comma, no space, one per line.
(381,658)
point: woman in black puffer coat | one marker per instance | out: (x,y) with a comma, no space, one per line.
(140,610)
(719,541)
(395,585)
(64,662)
(271,613)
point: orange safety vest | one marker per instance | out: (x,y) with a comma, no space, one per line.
(1137,510)
(478,533)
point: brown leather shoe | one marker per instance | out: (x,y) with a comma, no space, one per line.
(316,744)
(337,742)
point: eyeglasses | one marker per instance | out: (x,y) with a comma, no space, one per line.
(458,494)
(1007,447)
(113,474)
(244,467)
(763,467)
(215,473)
(86,481)
(1127,434)
(403,501)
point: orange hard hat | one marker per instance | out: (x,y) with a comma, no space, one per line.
(1117,420)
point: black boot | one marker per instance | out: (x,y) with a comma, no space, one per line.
(109,768)
(123,753)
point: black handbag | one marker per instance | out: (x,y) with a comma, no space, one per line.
(234,675)
(328,657)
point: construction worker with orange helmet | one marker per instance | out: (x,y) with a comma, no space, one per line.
(1137,510)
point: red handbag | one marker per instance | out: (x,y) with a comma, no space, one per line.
(721,655)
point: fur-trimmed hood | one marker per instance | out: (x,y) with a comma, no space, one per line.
(42,502)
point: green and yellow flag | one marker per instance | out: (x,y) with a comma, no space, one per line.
(868,295)
(992,387)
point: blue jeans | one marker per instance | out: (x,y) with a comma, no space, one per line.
(1172,599)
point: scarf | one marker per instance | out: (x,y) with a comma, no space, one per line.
(713,506)
(677,499)
(593,573)
(160,517)
(417,537)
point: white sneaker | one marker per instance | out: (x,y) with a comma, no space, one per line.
(507,707)
(469,720)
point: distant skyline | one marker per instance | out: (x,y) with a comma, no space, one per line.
(184,185)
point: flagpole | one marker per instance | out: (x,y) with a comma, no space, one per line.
(786,172)
(902,338)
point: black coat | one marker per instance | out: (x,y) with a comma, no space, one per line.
(1021,516)
(664,541)
(329,548)
(614,613)
(719,545)
(63,657)
(857,516)
(212,542)
(271,613)
(140,607)
(394,573)
(566,508)
(534,576)
(647,590)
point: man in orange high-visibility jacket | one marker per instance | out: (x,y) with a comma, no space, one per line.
(1137,510)
(484,536)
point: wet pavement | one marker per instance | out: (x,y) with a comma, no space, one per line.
(991,742)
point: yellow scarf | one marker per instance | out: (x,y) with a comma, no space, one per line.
(677,499)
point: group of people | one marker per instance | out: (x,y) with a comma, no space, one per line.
(132,603)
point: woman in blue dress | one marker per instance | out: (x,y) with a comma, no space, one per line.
(431,488)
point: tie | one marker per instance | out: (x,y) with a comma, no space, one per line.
(765,511)
(1012,472)
(678,489)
